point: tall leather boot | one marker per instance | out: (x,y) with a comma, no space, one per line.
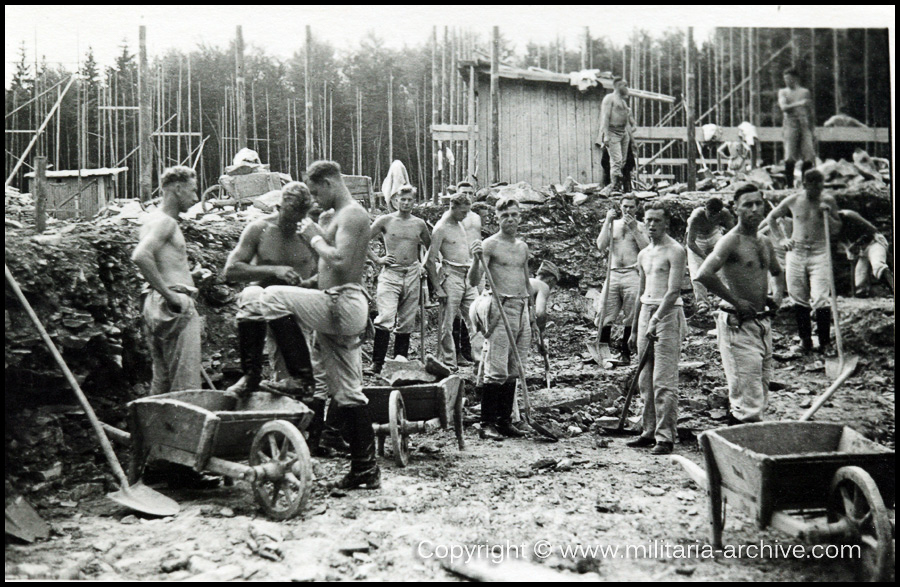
(314,430)
(789,174)
(332,433)
(490,396)
(293,347)
(379,349)
(401,344)
(465,344)
(251,347)
(804,327)
(505,408)
(625,352)
(887,278)
(363,465)
(823,327)
(605,334)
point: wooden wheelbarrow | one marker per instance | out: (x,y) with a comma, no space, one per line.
(399,412)
(819,482)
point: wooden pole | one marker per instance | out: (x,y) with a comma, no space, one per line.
(390,94)
(470,119)
(40,188)
(145,120)
(307,104)
(190,90)
(586,49)
(241,97)
(495,105)
(689,112)
(836,69)
(434,114)
(445,105)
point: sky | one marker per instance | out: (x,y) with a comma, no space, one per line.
(63,33)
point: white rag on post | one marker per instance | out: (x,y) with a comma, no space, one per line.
(397,177)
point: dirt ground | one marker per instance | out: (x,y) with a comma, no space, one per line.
(588,489)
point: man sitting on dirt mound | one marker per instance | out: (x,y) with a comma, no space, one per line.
(806,271)
(270,252)
(868,247)
(506,257)
(743,324)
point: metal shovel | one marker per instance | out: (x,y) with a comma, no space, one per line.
(138,497)
(844,363)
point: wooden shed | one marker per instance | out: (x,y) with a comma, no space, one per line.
(65,199)
(547,125)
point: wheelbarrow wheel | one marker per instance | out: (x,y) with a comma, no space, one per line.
(397,422)
(857,503)
(280,442)
(213,192)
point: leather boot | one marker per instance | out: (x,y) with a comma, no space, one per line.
(293,347)
(823,327)
(804,326)
(332,433)
(465,344)
(789,174)
(401,345)
(887,278)
(314,430)
(379,349)
(251,347)
(504,410)
(605,334)
(490,396)
(363,466)
(625,352)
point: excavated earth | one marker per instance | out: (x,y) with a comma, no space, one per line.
(588,489)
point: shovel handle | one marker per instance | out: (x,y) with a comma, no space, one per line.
(512,341)
(85,405)
(845,374)
(834,307)
(646,355)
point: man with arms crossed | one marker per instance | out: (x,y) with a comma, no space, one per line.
(659,320)
(451,239)
(170,316)
(743,324)
(397,296)
(616,125)
(806,270)
(337,311)
(506,257)
(795,102)
(628,239)
(704,229)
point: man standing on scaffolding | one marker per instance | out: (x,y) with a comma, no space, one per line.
(795,102)
(616,127)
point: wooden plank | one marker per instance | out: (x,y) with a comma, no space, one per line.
(574,138)
(484,116)
(771,134)
(533,107)
(523,158)
(512,98)
(593,116)
(583,127)
(548,162)
(506,143)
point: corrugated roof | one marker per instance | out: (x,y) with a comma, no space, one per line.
(84,172)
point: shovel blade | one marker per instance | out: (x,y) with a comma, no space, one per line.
(24,523)
(601,355)
(141,498)
(834,367)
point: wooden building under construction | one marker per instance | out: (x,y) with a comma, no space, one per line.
(78,194)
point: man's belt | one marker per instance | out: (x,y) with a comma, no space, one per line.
(767,313)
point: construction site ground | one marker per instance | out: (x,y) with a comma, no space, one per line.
(588,489)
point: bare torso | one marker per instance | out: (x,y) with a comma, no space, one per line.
(277,248)
(656,263)
(800,114)
(402,237)
(352,223)
(171,257)
(625,248)
(705,226)
(619,111)
(507,261)
(747,263)
(456,237)
(808,225)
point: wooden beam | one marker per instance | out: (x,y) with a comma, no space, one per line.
(40,193)
(473,128)
(145,121)
(453,132)
(494,174)
(689,111)
(241,98)
(307,104)
(770,134)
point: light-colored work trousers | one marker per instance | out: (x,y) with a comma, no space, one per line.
(618,141)
(499,354)
(397,297)
(705,244)
(806,272)
(624,286)
(338,316)
(798,139)
(872,262)
(460,296)
(746,349)
(174,341)
(659,385)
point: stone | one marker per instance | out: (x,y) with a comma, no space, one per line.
(565,465)
(32,570)
(219,574)
(654,491)
(306,573)
(198,564)
(349,548)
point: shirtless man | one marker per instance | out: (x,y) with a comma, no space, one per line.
(506,257)
(170,316)
(868,247)
(616,125)
(659,320)
(337,311)
(270,252)
(399,282)
(795,102)
(705,226)
(451,239)
(542,286)
(628,238)
(807,276)
(743,324)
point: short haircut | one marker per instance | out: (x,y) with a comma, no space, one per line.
(323,169)
(506,202)
(460,199)
(464,184)
(177,174)
(814,176)
(617,79)
(299,190)
(791,71)
(407,189)
(744,188)
(714,205)
(631,197)
(658,206)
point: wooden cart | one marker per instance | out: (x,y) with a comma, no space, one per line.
(210,430)
(816,481)
(400,411)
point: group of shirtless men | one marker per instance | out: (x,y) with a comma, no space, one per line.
(307,302)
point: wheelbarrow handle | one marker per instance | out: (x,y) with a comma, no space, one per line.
(694,471)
